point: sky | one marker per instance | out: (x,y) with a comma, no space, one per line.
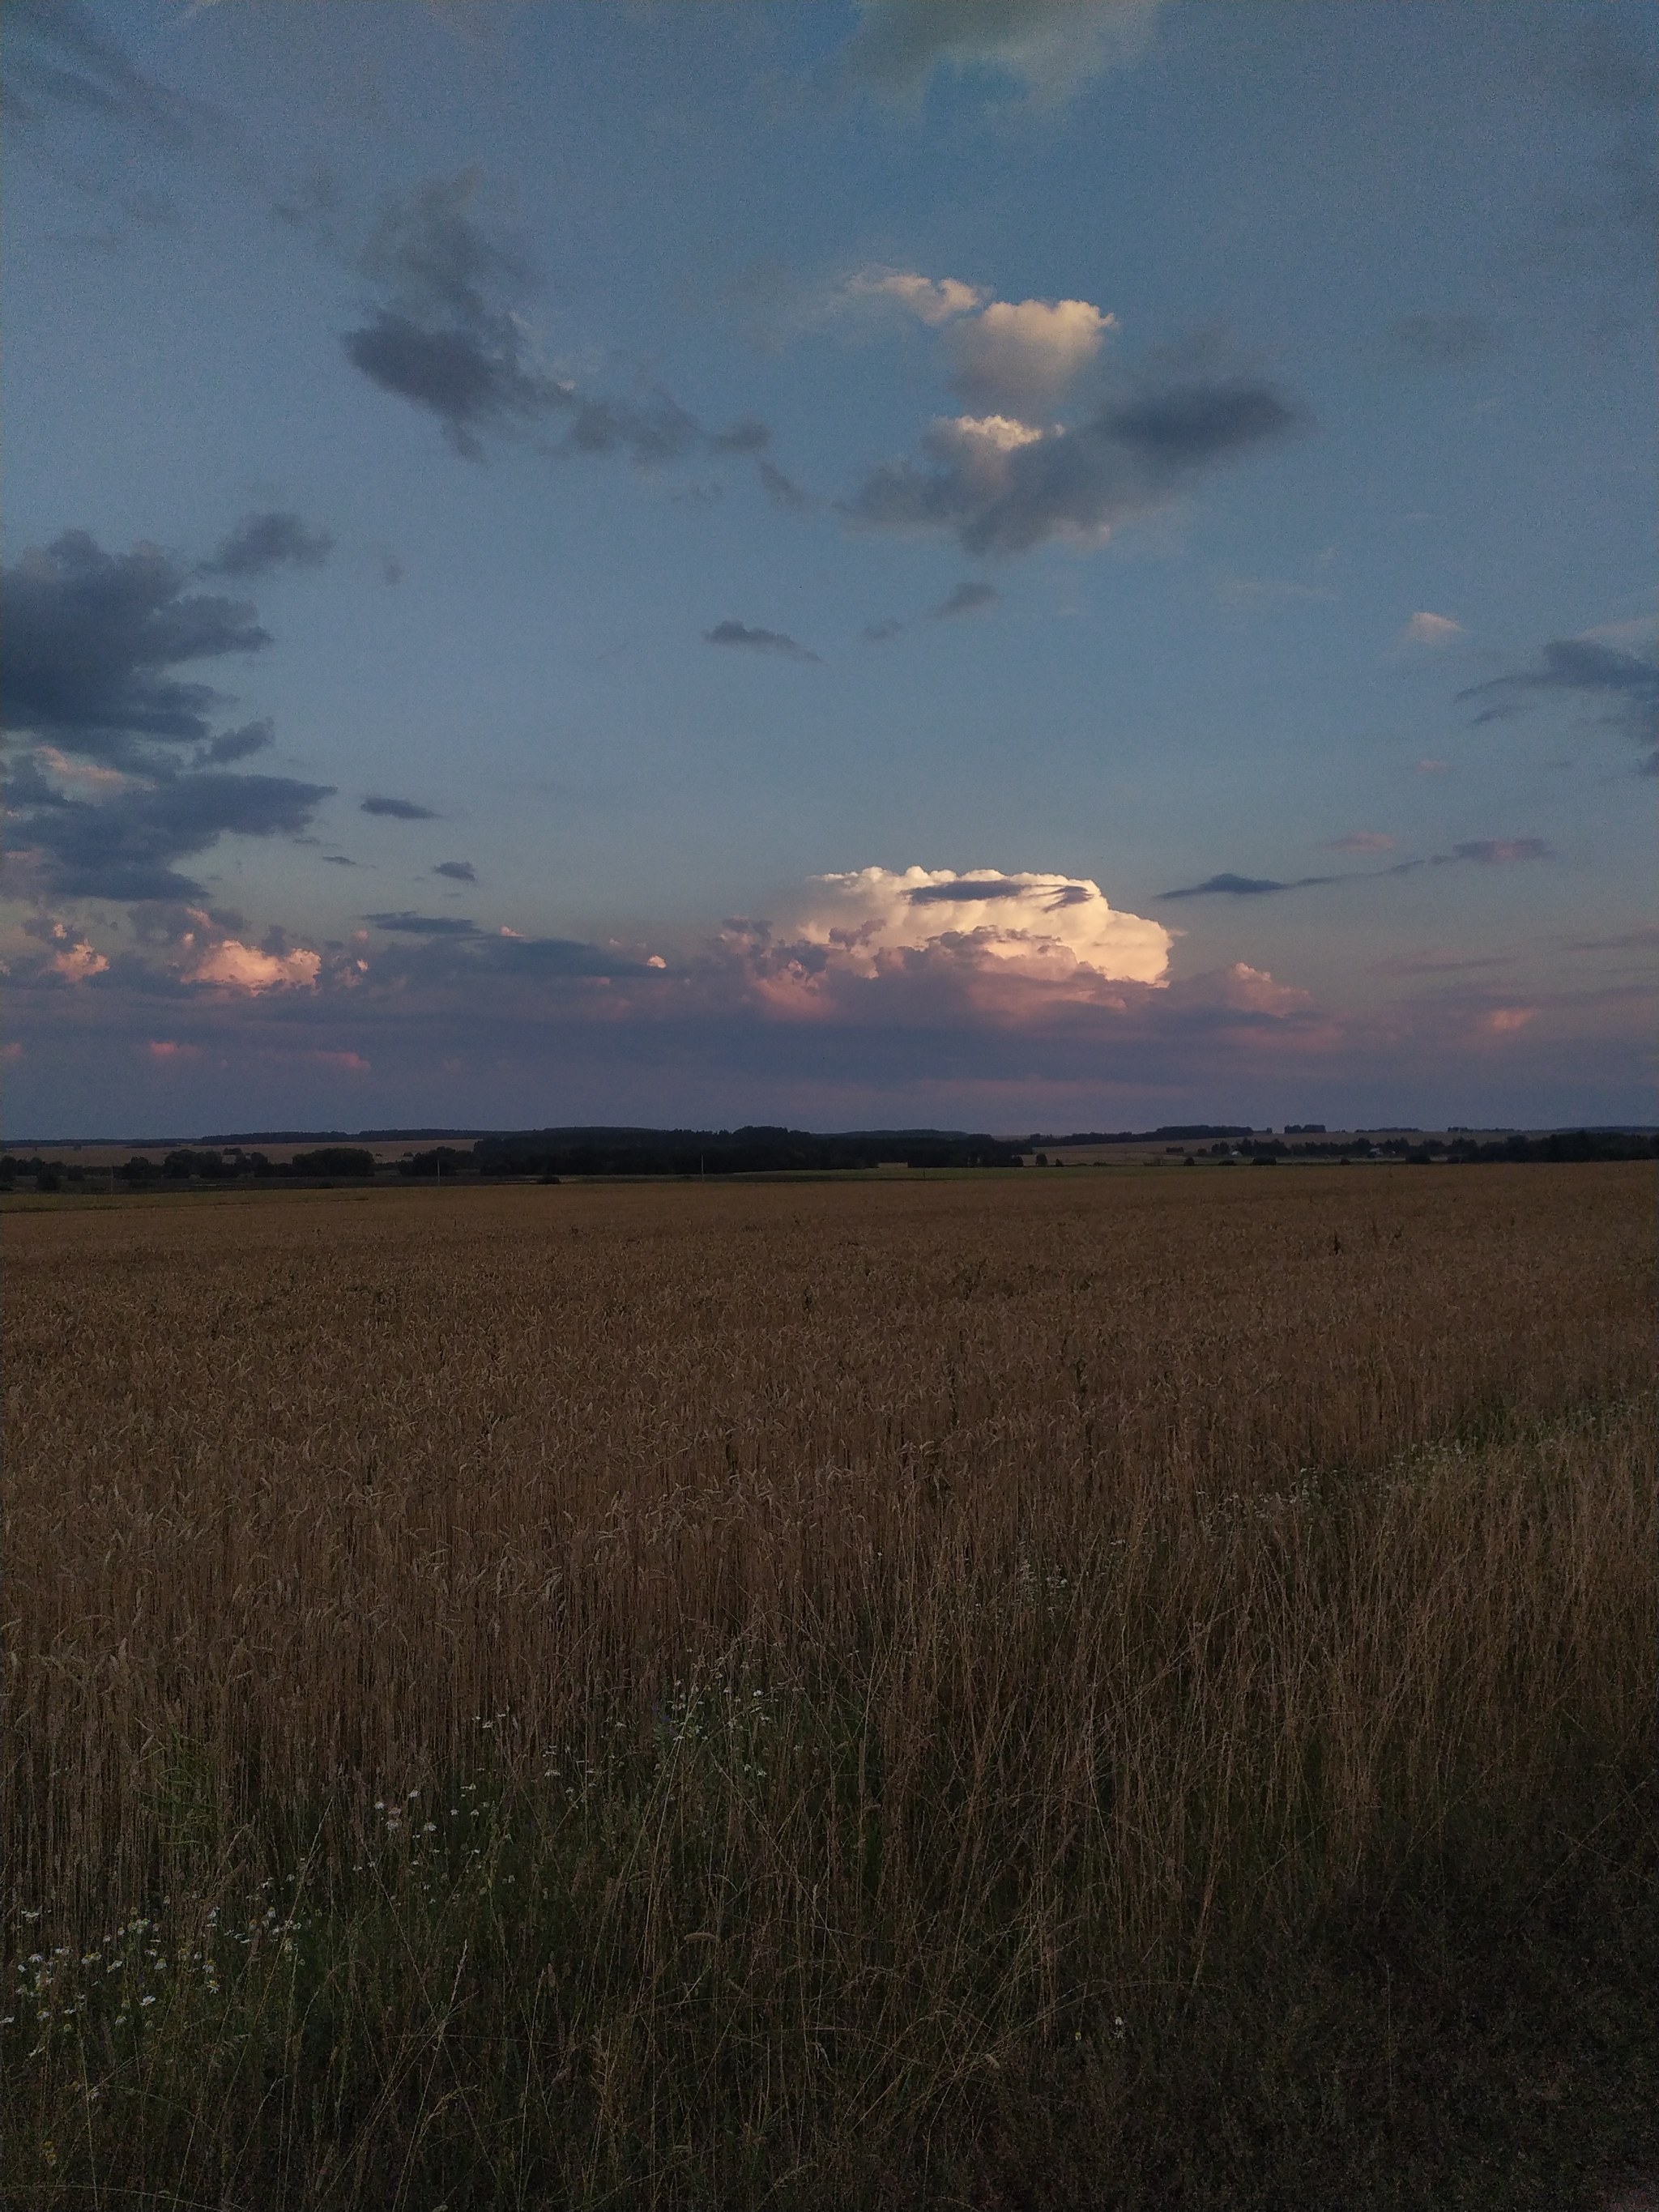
(994,564)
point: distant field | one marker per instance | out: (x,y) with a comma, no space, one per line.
(1009,1691)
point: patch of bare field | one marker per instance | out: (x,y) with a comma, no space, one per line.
(822,1694)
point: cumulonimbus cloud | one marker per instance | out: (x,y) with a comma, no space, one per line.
(1040,926)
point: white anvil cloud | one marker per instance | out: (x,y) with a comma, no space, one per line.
(1041,922)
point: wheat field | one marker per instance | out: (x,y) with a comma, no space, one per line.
(994,1691)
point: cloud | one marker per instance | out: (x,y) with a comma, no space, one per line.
(1363,841)
(237,744)
(425,924)
(1019,358)
(260,543)
(780,489)
(1050,48)
(1495,852)
(1602,72)
(966,599)
(999,485)
(1443,341)
(932,299)
(1005,356)
(747,436)
(1045,923)
(1436,963)
(1266,591)
(1230,886)
(1630,940)
(397,810)
(244,968)
(458,872)
(443,334)
(879,633)
(1505,1021)
(125,846)
(60,63)
(69,955)
(1425,629)
(760,641)
(93,639)
(1587,669)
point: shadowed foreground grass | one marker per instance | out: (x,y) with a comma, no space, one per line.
(944,1696)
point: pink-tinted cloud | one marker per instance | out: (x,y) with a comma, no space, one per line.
(244,968)
(1363,841)
(166,1050)
(1505,1021)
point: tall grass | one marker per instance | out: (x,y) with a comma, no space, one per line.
(957,1692)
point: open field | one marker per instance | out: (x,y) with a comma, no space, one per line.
(1025,1691)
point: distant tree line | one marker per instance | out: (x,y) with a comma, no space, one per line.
(749,1150)
(1560,1144)
(551,1154)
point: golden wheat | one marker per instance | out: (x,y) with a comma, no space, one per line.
(1002,1590)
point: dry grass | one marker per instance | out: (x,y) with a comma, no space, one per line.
(953,1692)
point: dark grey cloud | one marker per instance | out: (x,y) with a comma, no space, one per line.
(262,542)
(879,633)
(969,890)
(341,860)
(1230,886)
(92,641)
(760,641)
(1131,458)
(458,872)
(125,846)
(425,924)
(1625,685)
(444,333)
(397,810)
(966,599)
(1443,341)
(237,744)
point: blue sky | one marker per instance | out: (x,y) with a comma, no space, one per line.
(1004,563)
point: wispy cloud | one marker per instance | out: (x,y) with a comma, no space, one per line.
(397,810)
(1233,886)
(1049,48)
(760,641)
(1587,670)
(425,924)
(458,872)
(1497,852)
(1443,341)
(1426,628)
(967,598)
(260,543)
